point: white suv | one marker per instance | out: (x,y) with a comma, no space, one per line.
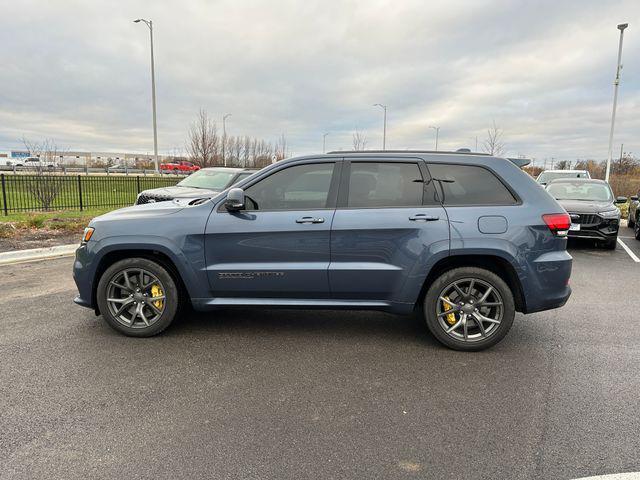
(548,175)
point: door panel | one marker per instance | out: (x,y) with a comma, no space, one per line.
(278,246)
(263,254)
(374,252)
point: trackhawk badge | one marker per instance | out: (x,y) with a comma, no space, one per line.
(248,275)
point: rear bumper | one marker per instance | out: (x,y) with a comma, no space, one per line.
(547,284)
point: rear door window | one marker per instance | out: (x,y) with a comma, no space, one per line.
(379,184)
(469,185)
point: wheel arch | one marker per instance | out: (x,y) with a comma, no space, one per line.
(493,263)
(157,256)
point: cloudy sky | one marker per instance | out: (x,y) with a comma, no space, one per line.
(77,72)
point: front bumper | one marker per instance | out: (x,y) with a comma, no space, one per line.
(83,277)
(594,227)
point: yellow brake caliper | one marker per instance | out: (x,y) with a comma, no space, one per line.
(451,317)
(156,291)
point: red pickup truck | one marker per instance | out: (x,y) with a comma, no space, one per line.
(179,167)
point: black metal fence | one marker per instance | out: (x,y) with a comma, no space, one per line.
(22,193)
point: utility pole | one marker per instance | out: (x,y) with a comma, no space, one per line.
(324,141)
(224,137)
(149,24)
(384,125)
(437,129)
(616,83)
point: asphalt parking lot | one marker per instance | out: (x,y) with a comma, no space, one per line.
(307,394)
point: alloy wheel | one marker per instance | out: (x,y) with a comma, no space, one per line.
(470,310)
(135,298)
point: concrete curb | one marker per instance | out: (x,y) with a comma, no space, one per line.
(33,254)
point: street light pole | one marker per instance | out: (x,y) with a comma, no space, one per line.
(324,141)
(224,137)
(616,82)
(384,125)
(149,24)
(437,129)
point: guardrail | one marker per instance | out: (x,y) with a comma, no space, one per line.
(22,193)
(65,170)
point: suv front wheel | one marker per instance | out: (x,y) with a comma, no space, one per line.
(469,308)
(137,297)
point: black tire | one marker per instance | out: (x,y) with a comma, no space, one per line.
(611,243)
(170,291)
(631,222)
(442,282)
(636,230)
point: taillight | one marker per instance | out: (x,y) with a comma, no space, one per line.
(558,223)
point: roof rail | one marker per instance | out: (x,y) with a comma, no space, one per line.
(460,152)
(519,162)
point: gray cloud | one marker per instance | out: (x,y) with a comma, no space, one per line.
(78,72)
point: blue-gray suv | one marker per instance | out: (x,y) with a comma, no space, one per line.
(465,240)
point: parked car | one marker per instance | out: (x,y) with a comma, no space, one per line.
(180,166)
(35,163)
(118,168)
(466,239)
(634,210)
(204,183)
(591,206)
(549,175)
(634,215)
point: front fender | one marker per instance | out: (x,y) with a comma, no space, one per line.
(187,258)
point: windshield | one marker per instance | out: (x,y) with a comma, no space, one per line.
(214,179)
(598,192)
(546,177)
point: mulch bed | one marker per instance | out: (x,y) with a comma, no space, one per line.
(38,238)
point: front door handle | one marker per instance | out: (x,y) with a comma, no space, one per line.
(423,217)
(310,220)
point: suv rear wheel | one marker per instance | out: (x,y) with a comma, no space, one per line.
(137,297)
(469,308)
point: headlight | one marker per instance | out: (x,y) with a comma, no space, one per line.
(86,236)
(610,214)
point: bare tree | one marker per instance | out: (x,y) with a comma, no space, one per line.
(281,148)
(359,140)
(44,184)
(493,144)
(203,143)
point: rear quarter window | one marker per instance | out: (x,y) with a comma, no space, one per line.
(469,185)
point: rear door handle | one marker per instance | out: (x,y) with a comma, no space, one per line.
(310,220)
(423,217)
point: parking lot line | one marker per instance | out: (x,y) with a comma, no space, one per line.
(633,256)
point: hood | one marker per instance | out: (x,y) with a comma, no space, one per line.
(579,206)
(143,211)
(181,192)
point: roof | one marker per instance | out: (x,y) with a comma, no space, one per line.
(232,169)
(563,171)
(577,180)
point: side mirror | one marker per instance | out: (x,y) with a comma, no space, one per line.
(634,198)
(621,199)
(235,200)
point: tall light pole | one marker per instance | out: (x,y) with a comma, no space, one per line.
(616,82)
(384,125)
(224,137)
(149,24)
(324,141)
(437,129)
